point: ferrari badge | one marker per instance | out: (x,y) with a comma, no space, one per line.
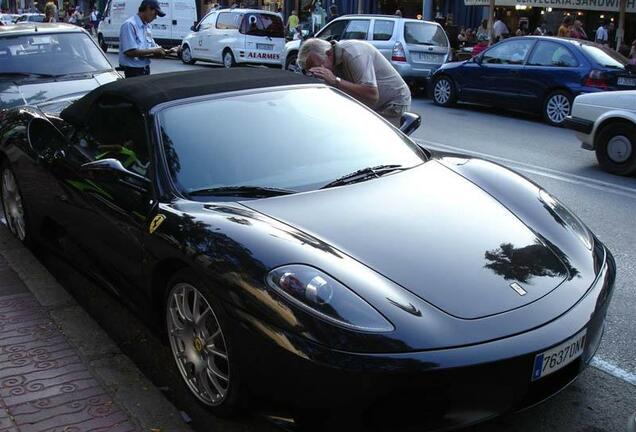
(156,222)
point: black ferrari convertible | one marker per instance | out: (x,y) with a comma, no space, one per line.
(294,246)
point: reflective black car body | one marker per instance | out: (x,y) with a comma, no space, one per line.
(433,249)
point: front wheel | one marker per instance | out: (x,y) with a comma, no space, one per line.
(616,148)
(186,56)
(290,63)
(557,107)
(228,59)
(444,92)
(102,44)
(201,345)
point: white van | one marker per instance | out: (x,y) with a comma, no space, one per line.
(231,36)
(167,31)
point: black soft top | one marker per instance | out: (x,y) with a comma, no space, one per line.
(148,91)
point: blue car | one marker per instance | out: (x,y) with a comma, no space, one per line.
(534,73)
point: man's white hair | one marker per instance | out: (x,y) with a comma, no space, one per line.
(316,46)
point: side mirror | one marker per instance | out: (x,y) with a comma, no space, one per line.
(410,122)
(112,169)
(193,28)
(478,58)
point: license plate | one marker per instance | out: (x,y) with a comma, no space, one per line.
(430,58)
(622,81)
(558,357)
(264,47)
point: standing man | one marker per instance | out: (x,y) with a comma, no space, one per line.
(94,20)
(136,45)
(500,30)
(602,35)
(292,23)
(360,70)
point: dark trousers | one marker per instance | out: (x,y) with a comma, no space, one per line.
(130,72)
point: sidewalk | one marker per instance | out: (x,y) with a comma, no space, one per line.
(59,371)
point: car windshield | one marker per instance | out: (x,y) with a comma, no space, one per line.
(296,139)
(605,56)
(51,54)
(420,33)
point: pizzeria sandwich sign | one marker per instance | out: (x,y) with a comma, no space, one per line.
(598,5)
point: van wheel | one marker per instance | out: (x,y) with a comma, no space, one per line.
(102,44)
(228,59)
(186,56)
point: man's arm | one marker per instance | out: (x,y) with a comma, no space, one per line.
(365,93)
(128,44)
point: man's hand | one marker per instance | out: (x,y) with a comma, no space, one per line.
(158,52)
(172,51)
(324,74)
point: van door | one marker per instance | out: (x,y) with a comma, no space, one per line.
(264,37)
(183,15)
(162,26)
(114,20)
(225,35)
(202,42)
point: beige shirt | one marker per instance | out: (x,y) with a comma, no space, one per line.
(361,63)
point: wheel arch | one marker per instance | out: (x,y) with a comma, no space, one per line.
(160,275)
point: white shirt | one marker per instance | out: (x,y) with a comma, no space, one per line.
(94,16)
(601,34)
(499,28)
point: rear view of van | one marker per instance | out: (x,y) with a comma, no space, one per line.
(167,31)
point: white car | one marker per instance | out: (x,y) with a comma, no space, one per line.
(8,19)
(231,36)
(606,123)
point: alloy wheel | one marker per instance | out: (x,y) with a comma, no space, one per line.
(442,91)
(186,55)
(198,344)
(558,108)
(12,202)
(619,149)
(228,60)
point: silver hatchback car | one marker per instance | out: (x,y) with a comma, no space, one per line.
(415,48)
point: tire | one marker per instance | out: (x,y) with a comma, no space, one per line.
(186,56)
(290,63)
(616,148)
(444,91)
(228,59)
(16,213)
(556,107)
(102,44)
(203,350)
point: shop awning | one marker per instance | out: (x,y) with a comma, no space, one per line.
(597,5)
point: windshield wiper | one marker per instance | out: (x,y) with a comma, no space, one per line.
(364,174)
(27,74)
(249,191)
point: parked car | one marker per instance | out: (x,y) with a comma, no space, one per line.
(536,73)
(233,36)
(606,124)
(8,19)
(49,63)
(415,48)
(167,31)
(314,265)
(28,18)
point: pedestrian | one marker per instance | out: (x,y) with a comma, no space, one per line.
(578,32)
(50,12)
(333,13)
(632,53)
(523,29)
(94,20)
(500,29)
(602,35)
(482,30)
(398,13)
(292,23)
(565,29)
(360,70)
(136,45)
(541,30)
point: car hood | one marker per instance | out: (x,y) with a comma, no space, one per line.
(434,233)
(14,93)
(625,100)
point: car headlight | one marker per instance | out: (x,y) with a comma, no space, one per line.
(326,298)
(567,218)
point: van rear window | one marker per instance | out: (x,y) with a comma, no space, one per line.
(424,34)
(259,24)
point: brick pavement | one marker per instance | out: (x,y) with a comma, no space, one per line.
(45,385)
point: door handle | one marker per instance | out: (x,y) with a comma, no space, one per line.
(108,20)
(174,22)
